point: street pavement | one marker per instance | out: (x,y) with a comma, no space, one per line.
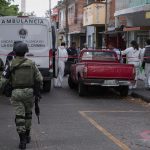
(70,122)
(141,92)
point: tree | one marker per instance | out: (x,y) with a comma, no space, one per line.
(6,9)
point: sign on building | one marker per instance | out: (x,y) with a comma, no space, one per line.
(147,15)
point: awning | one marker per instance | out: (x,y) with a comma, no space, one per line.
(146,28)
(111,32)
(76,32)
(132,10)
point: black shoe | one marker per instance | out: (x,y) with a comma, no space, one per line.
(28,137)
(22,144)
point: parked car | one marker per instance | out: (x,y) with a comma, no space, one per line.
(101,67)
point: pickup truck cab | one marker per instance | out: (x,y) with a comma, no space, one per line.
(101,67)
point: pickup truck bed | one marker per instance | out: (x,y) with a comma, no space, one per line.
(105,70)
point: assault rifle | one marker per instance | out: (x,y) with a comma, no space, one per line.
(37,95)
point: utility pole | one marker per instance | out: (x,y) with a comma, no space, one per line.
(67,26)
(23,6)
(106,7)
(50,10)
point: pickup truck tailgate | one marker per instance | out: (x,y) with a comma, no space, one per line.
(109,71)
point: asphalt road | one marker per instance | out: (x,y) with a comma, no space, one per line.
(102,120)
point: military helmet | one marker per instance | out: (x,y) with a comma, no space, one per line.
(21,48)
(15,43)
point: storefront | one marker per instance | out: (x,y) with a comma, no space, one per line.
(140,34)
(115,37)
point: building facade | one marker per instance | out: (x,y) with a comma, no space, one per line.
(114,35)
(94,22)
(71,22)
(89,21)
(136,14)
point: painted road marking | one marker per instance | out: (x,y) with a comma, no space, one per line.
(126,111)
(104,131)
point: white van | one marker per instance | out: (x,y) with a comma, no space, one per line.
(37,33)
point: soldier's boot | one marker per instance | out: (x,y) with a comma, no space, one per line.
(28,137)
(22,144)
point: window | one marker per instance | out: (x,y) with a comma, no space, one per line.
(89,41)
(71,11)
(99,56)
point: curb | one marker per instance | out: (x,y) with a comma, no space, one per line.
(142,96)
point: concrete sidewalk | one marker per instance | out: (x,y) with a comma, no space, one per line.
(141,92)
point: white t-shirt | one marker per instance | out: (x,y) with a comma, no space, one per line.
(62,54)
(133,55)
(117,52)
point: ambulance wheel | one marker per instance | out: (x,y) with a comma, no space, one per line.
(47,86)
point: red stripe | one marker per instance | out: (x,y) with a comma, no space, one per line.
(68,56)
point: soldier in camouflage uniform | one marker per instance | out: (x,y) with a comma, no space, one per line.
(22,73)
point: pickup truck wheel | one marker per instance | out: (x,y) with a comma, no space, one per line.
(81,89)
(71,83)
(124,90)
(47,86)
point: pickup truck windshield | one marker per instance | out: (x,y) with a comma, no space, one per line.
(99,56)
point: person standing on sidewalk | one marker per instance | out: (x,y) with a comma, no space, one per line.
(133,57)
(146,64)
(72,57)
(62,58)
(72,52)
(23,74)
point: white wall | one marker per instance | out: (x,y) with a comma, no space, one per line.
(90,31)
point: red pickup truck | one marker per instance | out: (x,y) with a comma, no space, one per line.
(101,67)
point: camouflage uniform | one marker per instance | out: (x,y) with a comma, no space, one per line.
(22,96)
(23,75)
(22,81)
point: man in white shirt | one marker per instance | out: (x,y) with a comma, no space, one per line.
(62,58)
(133,57)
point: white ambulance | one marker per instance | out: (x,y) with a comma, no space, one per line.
(37,33)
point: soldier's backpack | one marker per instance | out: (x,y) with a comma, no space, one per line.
(23,75)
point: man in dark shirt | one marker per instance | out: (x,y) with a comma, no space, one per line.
(72,56)
(72,52)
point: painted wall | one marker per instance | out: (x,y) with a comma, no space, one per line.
(90,36)
(94,14)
